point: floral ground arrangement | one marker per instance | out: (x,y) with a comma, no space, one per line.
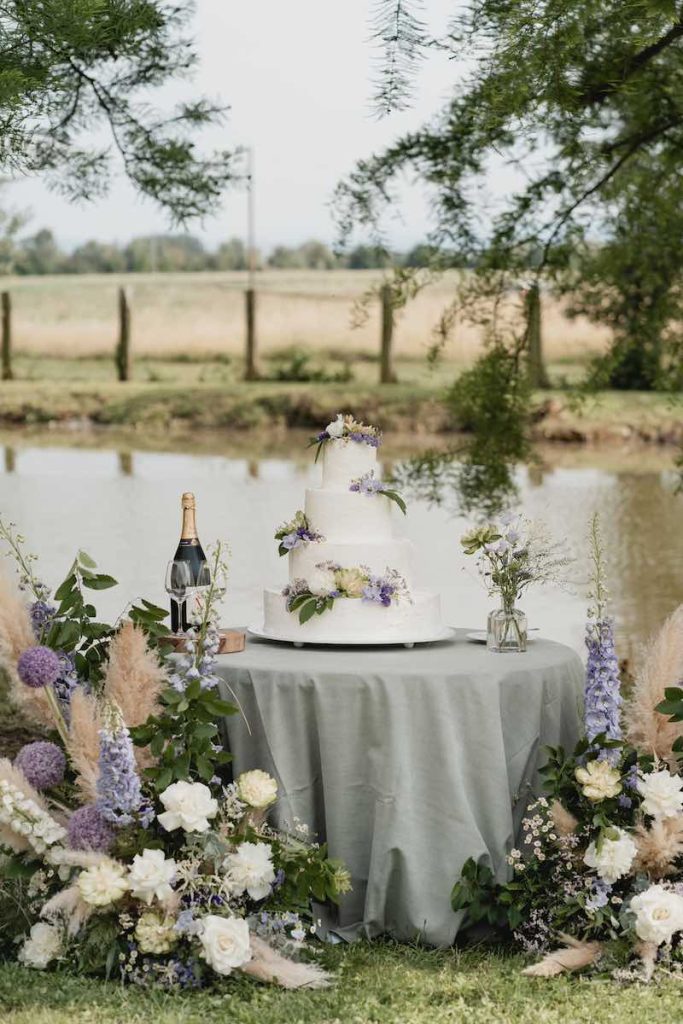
(124,852)
(597,881)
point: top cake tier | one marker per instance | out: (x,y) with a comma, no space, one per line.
(345,460)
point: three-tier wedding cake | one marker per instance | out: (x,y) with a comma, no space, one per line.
(351,579)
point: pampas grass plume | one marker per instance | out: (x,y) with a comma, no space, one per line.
(16,634)
(648,730)
(573,956)
(659,847)
(564,821)
(84,743)
(134,680)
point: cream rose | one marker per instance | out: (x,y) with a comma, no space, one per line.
(103,884)
(151,875)
(43,945)
(189,805)
(225,943)
(257,788)
(662,794)
(250,868)
(598,780)
(615,856)
(155,934)
(659,914)
(351,581)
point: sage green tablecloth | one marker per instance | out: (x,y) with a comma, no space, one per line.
(406,762)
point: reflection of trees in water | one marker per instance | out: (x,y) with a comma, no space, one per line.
(480,490)
(125,463)
(645,547)
(10,459)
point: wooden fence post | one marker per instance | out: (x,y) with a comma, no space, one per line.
(250,368)
(538,377)
(386,370)
(124,361)
(7,337)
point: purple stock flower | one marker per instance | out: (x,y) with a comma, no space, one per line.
(39,666)
(602,692)
(88,830)
(119,794)
(42,763)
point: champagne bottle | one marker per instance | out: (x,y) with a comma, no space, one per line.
(189,550)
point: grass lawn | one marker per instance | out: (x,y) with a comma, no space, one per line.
(379,982)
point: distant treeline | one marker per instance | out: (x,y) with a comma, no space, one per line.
(41,254)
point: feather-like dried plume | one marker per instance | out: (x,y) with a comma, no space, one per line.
(659,847)
(134,681)
(573,956)
(15,777)
(648,730)
(70,906)
(564,821)
(16,634)
(647,951)
(268,965)
(84,742)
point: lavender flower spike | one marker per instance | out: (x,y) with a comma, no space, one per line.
(119,794)
(602,700)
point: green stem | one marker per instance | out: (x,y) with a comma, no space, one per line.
(60,724)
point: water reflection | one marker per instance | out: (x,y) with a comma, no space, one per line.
(125,463)
(10,459)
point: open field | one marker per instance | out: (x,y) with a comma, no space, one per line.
(203,313)
(379,983)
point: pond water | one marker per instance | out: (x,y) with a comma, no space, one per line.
(121,505)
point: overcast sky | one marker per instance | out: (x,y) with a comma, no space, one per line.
(297,77)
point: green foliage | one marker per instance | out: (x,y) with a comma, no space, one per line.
(75,628)
(477,893)
(296,364)
(672,705)
(98,950)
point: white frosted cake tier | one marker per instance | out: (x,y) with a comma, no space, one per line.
(396,553)
(352,620)
(349,516)
(345,460)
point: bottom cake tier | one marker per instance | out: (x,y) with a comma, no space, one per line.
(352,620)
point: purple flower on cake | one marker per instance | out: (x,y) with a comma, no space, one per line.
(369,485)
(42,763)
(386,589)
(39,666)
(88,830)
(346,428)
(296,533)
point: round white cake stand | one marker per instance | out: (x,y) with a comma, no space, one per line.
(443,634)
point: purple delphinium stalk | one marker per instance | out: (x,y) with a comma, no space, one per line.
(43,763)
(188,667)
(89,830)
(119,794)
(602,694)
(39,666)
(66,684)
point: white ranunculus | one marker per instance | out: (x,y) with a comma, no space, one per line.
(659,914)
(336,427)
(321,580)
(103,883)
(257,788)
(250,868)
(614,858)
(151,875)
(662,794)
(189,805)
(225,942)
(43,945)
(598,780)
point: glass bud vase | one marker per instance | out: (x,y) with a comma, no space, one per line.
(506,629)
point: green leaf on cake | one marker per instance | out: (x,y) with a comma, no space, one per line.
(395,496)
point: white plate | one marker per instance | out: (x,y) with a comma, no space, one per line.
(259,631)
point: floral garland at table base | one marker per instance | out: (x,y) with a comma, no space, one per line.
(123,850)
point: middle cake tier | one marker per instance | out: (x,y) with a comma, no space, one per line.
(348,516)
(377,555)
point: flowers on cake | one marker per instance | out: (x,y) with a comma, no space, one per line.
(369,485)
(330,581)
(296,533)
(346,428)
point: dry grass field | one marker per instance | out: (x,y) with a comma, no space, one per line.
(203,315)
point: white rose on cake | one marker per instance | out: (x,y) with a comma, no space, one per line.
(659,914)
(250,869)
(225,943)
(336,427)
(103,883)
(151,875)
(321,580)
(257,789)
(615,856)
(662,794)
(43,945)
(189,805)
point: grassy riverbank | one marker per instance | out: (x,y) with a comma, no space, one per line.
(379,983)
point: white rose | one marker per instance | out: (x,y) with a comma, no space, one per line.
(336,427)
(659,914)
(103,884)
(614,858)
(250,868)
(662,794)
(225,943)
(189,805)
(257,788)
(43,945)
(321,580)
(151,875)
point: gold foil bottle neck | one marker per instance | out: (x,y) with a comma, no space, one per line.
(189,531)
(188,500)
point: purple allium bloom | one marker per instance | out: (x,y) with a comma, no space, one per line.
(119,794)
(88,830)
(42,763)
(602,692)
(39,666)
(42,613)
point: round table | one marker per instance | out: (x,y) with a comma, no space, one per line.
(406,762)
